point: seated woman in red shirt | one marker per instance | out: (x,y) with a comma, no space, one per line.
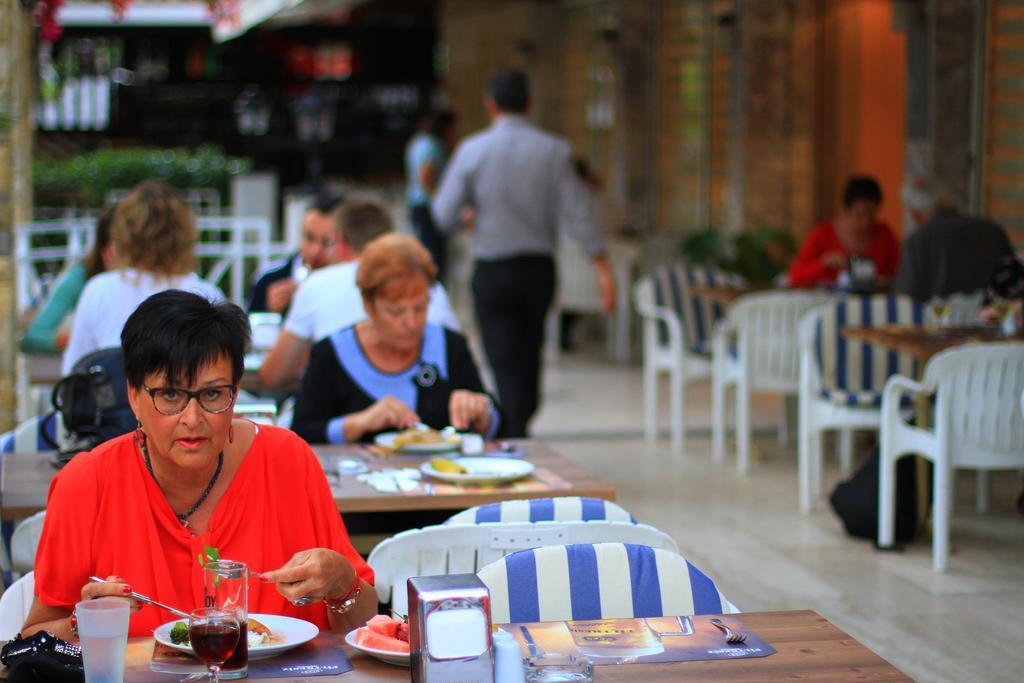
(856,232)
(140,508)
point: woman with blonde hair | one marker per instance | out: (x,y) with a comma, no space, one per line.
(154,236)
(394,369)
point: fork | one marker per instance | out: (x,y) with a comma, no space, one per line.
(730,635)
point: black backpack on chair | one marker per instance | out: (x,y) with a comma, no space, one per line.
(93,402)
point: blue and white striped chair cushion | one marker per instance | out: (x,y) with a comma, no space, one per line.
(698,315)
(35,434)
(598,581)
(568,509)
(853,373)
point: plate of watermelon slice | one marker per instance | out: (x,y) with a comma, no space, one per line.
(385,638)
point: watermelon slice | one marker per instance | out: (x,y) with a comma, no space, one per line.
(367,638)
(384,625)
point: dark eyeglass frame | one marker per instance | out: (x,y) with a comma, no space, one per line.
(232,390)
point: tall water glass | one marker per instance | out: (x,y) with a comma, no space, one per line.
(103,631)
(226,587)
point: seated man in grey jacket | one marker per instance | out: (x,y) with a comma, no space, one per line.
(948,252)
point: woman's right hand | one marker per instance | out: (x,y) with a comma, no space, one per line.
(115,587)
(387,413)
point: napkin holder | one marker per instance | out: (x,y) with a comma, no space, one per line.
(450,629)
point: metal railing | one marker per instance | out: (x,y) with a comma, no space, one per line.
(230,248)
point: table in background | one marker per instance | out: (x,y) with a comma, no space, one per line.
(808,647)
(44,370)
(25,479)
(722,295)
(922,342)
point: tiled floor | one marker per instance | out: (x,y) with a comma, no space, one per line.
(747,532)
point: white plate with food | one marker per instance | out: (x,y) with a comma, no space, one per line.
(419,441)
(269,634)
(482,470)
(387,656)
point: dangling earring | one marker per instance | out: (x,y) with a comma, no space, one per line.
(231,434)
(140,436)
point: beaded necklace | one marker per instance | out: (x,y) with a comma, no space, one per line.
(183,517)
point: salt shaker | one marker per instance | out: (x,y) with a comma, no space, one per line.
(508,659)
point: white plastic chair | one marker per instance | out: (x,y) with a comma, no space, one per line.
(977,425)
(755,348)
(841,381)
(677,328)
(457,549)
(25,542)
(15,604)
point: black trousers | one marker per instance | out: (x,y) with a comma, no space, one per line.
(435,242)
(512,297)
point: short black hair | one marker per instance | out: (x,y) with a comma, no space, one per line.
(178,333)
(510,91)
(862,188)
(325,202)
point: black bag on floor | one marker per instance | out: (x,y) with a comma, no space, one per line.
(856,501)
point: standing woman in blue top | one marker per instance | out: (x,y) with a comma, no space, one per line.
(392,370)
(425,157)
(45,335)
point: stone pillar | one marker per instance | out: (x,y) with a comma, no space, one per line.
(766,34)
(15,178)
(954,52)
(633,146)
(481,37)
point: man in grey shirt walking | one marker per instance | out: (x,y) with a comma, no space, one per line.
(521,184)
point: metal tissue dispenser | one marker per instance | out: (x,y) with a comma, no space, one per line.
(450,629)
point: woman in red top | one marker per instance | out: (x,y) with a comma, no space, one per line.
(827,250)
(141,508)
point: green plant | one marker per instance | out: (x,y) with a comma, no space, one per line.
(92,175)
(758,255)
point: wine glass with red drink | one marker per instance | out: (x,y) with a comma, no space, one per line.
(213,634)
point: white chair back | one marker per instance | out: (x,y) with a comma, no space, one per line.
(977,411)
(767,324)
(458,549)
(25,542)
(14,606)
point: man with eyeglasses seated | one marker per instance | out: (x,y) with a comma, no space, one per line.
(276,285)
(330,299)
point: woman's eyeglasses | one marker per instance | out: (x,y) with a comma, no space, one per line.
(172,400)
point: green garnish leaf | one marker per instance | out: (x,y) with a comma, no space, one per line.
(210,554)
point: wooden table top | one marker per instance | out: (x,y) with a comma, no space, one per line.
(923,342)
(44,369)
(721,295)
(25,479)
(809,647)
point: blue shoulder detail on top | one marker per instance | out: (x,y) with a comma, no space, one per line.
(402,385)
